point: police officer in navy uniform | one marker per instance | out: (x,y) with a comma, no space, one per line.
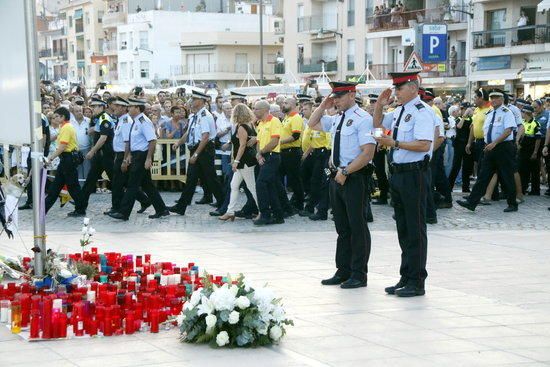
(499,154)
(413,127)
(101,154)
(141,142)
(200,142)
(352,149)
(120,179)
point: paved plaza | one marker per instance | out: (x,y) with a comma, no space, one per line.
(487,300)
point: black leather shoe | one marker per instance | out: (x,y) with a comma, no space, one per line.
(466,204)
(289,213)
(445,205)
(370,218)
(107,212)
(409,291)
(431,220)
(143,208)
(262,222)
(176,209)
(76,214)
(26,206)
(318,216)
(510,209)
(353,283)
(160,215)
(277,220)
(335,280)
(245,214)
(305,213)
(216,213)
(392,289)
(204,201)
(116,215)
(380,202)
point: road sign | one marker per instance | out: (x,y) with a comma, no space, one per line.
(413,63)
(434,43)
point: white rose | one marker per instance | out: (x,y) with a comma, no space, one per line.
(86,221)
(262,330)
(275,333)
(222,338)
(84,230)
(242,302)
(278,314)
(234,317)
(91,231)
(211,321)
(188,306)
(180,319)
(196,297)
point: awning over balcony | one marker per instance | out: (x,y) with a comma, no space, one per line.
(543,6)
(538,75)
(503,74)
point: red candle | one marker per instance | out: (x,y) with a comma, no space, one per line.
(62,325)
(154,324)
(108,326)
(94,250)
(56,324)
(78,319)
(91,328)
(129,322)
(147,258)
(25,309)
(47,318)
(35,325)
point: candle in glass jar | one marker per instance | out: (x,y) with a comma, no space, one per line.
(16,317)
(129,322)
(35,325)
(5,306)
(47,328)
(154,323)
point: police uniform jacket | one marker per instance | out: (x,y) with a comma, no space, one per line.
(141,132)
(121,130)
(201,122)
(356,131)
(418,122)
(502,118)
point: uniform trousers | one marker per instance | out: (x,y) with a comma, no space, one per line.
(318,185)
(409,190)
(354,242)
(499,160)
(379,161)
(479,145)
(290,167)
(306,172)
(120,181)
(101,161)
(268,187)
(203,168)
(439,180)
(66,174)
(138,177)
(464,161)
(529,169)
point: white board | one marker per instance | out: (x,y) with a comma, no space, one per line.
(14,90)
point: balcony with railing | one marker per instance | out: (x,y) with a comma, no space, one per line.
(80,55)
(110,47)
(45,53)
(325,22)
(458,69)
(61,54)
(407,19)
(114,19)
(509,37)
(315,65)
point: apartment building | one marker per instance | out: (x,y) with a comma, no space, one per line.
(84,34)
(115,14)
(509,52)
(52,47)
(347,40)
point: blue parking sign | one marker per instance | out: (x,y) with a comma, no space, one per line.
(434,43)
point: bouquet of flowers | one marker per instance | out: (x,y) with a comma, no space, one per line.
(233,315)
(87,233)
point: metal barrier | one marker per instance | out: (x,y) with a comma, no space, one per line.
(167,164)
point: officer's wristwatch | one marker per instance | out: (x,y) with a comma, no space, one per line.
(345,172)
(396,145)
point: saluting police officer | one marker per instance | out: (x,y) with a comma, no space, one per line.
(141,141)
(101,154)
(200,142)
(413,126)
(120,179)
(499,154)
(352,149)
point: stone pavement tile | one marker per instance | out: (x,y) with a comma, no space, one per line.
(396,336)
(440,346)
(538,329)
(478,358)
(125,359)
(14,345)
(38,355)
(87,348)
(484,332)
(408,361)
(453,322)
(57,363)
(365,351)
(518,319)
(538,354)
(509,342)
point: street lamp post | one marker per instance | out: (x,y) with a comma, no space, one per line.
(261,11)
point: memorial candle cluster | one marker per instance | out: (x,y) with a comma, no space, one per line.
(130,294)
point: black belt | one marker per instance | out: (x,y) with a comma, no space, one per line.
(290,149)
(192,149)
(322,150)
(412,166)
(480,140)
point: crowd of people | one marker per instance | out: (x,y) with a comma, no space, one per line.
(266,149)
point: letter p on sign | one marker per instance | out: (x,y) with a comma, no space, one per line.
(434,43)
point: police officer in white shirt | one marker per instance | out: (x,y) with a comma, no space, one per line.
(120,179)
(140,141)
(200,142)
(352,149)
(81,124)
(413,129)
(499,155)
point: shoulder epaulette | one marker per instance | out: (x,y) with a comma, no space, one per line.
(203,113)
(419,106)
(505,109)
(142,119)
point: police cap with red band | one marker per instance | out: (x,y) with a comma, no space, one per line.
(404,77)
(341,88)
